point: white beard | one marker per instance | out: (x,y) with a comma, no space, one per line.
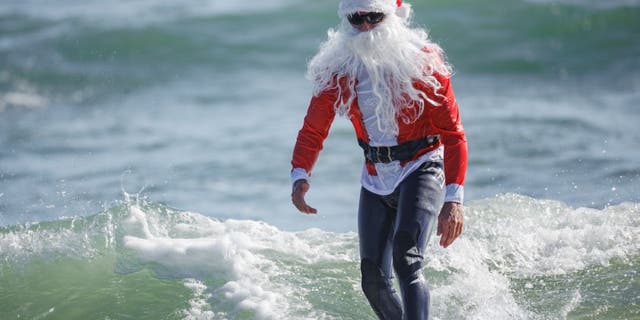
(393,55)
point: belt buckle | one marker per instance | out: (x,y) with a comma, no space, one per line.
(384,158)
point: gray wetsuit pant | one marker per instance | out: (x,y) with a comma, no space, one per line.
(393,232)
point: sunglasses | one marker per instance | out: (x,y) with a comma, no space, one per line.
(357,19)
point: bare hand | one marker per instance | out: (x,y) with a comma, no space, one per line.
(450,222)
(300,188)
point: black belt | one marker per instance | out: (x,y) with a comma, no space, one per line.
(402,152)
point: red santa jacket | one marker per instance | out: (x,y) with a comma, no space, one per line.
(442,119)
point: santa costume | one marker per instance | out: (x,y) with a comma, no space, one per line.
(393,83)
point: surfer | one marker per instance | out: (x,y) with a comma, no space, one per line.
(393,83)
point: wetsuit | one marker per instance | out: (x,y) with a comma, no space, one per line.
(394,230)
(400,199)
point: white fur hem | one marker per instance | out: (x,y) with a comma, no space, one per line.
(348,7)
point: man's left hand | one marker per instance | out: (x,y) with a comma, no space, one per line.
(450,222)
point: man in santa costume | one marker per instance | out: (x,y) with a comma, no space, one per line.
(393,84)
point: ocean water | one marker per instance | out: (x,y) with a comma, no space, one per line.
(145,148)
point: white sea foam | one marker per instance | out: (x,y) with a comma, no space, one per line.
(514,236)
(46,314)
(239,267)
(199,308)
(571,305)
(508,237)
(22,100)
(231,249)
(527,237)
(23,243)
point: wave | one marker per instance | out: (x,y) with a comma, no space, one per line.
(595,4)
(80,52)
(513,261)
(149,11)
(230,268)
(134,13)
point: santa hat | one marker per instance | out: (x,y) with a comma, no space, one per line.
(348,7)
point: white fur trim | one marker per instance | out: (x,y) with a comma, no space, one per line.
(348,7)
(404,11)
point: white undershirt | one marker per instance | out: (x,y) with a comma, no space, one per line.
(389,174)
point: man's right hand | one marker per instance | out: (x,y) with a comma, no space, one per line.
(300,188)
